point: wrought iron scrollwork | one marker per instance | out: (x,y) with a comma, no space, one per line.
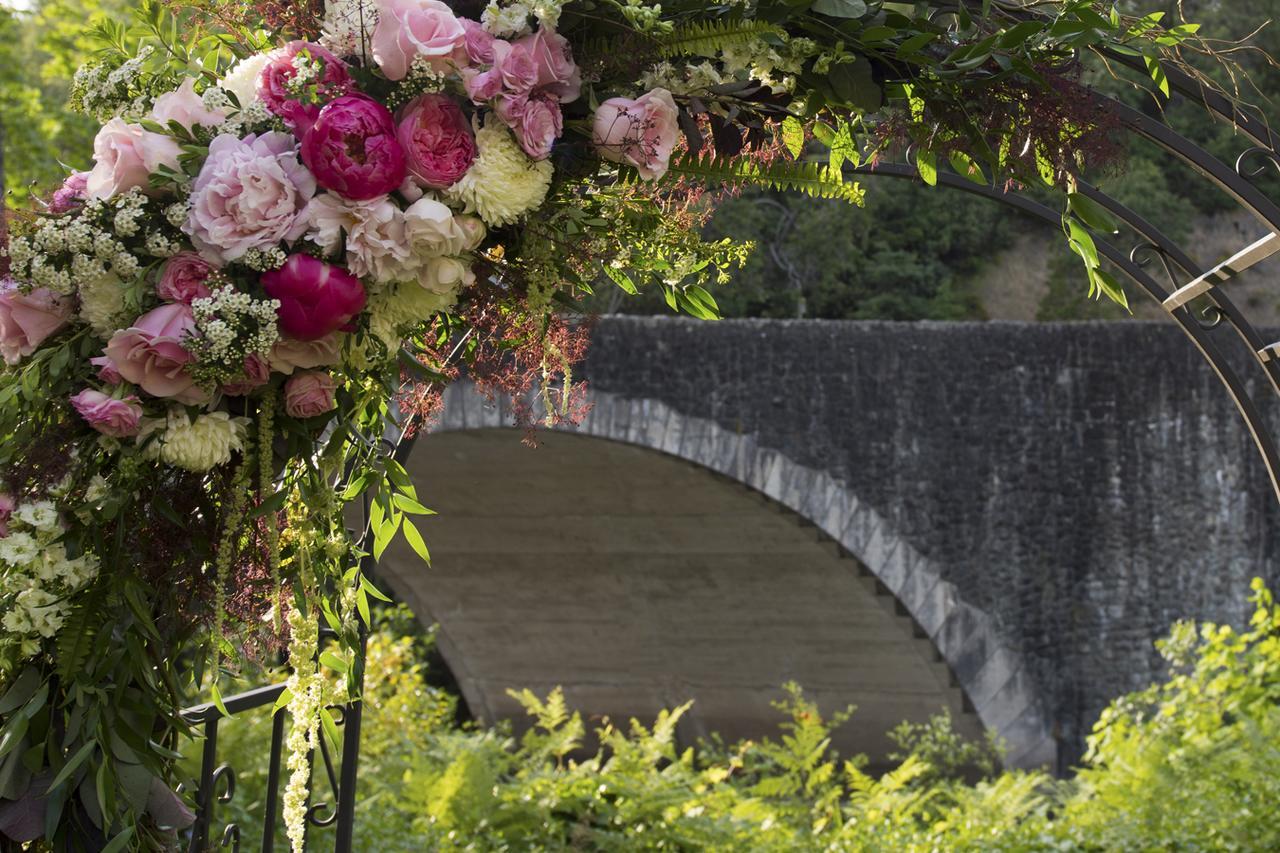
(1143,253)
(1268,157)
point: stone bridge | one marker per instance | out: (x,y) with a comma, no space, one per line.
(998,519)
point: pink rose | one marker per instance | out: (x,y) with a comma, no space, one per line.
(106,370)
(186,108)
(249,195)
(482,86)
(352,149)
(409,29)
(515,64)
(70,194)
(553,59)
(183,277)
(642,132)
(315,298)
(437,140)
(27,319)
(256,373)
(7,506)
(290,354)
(150,354)
(478,42)
(108,415)
(309,394)
(125,156)
(536,121)
(273,83)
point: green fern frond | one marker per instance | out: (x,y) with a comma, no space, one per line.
(814,179)
(75,639)
(711,38)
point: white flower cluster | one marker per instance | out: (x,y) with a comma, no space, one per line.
(67,250)
(348,26)
(230,326)
(307,70)
(262,260)
(306,699)
(104,92)
(37,578)
(685,80)
(196,445)
(504,183)
(510,18)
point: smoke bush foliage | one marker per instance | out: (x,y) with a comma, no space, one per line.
(1189,764)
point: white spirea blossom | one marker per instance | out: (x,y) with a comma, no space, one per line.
(196,445)
(504,182)
(232,325)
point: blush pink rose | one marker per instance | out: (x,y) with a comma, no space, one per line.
(186,108)
(290,354)
(150,354)
(514,63)
(641,132)
(273,84)
(250,194)
(7,506)
(409,29)
(106,370)
(256,373)
(109,415)
(478,42)
(552,57)
(125,156)
(352,149)
(536,121)
(309,394)
(437,140)
(183,277)
(28,319)
(315,298)
(71,194)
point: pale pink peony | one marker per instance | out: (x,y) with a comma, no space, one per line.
(109,415)
(315,298)
(186,108)
(536,121)
(273,84)
(256,373)
(249,194)
(409,29)
(437,140)
(352,148)
(557,73)
(372,232)
(71,194)
(478,43)
(125,156)
(183,277)
(309,394)
(7,506)
(150,354)
(641,132)
(27,319)
(106,370)
(290,354)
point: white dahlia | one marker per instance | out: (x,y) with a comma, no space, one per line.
(197,445)
(504,182)
(102,304)
(402,305)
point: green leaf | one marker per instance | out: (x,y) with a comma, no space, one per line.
(216,695)
(334,662)
(840,8)
(967,167)
(117,844)
(1156,71)
(1108,284)
(282,701)
(82,754)
(621,279)
(927,166)
(1093,214)
(22,689)
(414,538)
(409,505)
(793,136)
(330,727)
(368,587)
(854,84)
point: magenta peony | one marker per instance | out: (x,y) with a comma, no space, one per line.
(183,277)
(27,319)
(408,30)
(315,298)
(641,132)
(280,69)
(437,140)
(256,373)
(352,149)
(71,194)
(557,73)
(150,354)
(309,394)
(289,354)
(125,156)
(250,194)
(7,506)
(109,415)
(186,108)
(536,121)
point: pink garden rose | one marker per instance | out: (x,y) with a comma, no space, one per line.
(183,277)
(557,73)
(409,29)
(478,43)
(256,373)
(70,194)
(642,132)
(186,108)
(150,354)
(7,506)
(315,298)
(125,156)
(106,370)
(249,195)
(309,394)
(290,354)
(437,140)
(352,149)
(27,319)
(273,84)
(536,121)
(109,415)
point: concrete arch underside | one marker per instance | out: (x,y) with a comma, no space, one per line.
(636,580)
